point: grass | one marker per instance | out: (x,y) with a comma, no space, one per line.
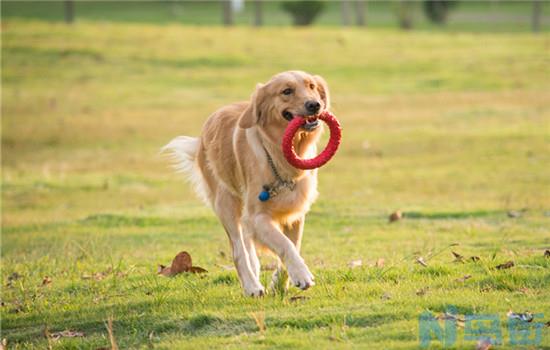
(450,128)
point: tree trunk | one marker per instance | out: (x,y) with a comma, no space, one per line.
(360,12)
(535,16)
(405,14)
(227,13)
(258,18)
(69,11)
(345,12)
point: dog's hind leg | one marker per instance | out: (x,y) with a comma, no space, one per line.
(228,209)
(294,231)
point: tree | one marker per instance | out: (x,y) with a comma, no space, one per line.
(227,13)
(437,11)
(536,14)
(360,12)
(69,11)
(258,15)
(405,14)
(303,12)
(344,4)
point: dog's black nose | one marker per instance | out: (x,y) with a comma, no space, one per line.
(312,106)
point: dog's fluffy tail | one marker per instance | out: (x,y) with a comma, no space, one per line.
(183,152)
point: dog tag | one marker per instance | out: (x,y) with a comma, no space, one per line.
(264,196)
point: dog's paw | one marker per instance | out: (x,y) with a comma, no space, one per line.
(254,291)
(301,276)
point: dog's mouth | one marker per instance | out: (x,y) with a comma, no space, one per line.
(311,121)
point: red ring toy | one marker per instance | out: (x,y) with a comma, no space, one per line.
(325,155)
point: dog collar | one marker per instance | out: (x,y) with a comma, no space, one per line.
(272,189)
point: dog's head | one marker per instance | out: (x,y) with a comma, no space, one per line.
(284,97)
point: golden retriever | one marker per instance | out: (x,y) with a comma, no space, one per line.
(238,155)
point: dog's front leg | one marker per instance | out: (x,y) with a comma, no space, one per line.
(269,234)
(228,210)
(294,231)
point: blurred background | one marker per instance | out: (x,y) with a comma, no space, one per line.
(446,15)
(445,107)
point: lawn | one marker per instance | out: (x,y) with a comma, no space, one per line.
(451,129)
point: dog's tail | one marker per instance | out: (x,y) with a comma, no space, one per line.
(183,152)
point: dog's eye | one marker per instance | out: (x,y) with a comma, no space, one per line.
(311,86)
(288,91)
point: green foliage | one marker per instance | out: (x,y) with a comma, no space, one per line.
(437,11)
(303,12)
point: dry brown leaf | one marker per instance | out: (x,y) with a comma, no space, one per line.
(447,316)
(421,261)
(505,266)
(46,280)
(298,298)
(525,317)
(181,263)
(355,263)
(422,291)
(395,216)
(380,262)
(458,257)
(66,334)
(483,344)
(463,278)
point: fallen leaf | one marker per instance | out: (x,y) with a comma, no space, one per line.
(447,316)
(355,263)
(463,278)
(297,298)
(421,261)
(181,263)
(46,280)
(422,291)
(483,344)
(525,317)
(380,262)
(458,257)
(547,253)
(196,269)
(395,216)
(66,334)
(505,266)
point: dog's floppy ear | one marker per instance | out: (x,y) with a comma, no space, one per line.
(252,113)
(322,87)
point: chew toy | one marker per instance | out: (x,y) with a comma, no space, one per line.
(323,157)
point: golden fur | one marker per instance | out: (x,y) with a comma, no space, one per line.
(229,167)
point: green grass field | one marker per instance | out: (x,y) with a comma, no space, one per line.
(452,129)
